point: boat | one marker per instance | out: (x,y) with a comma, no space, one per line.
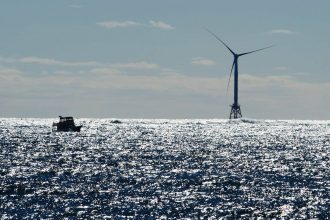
(66,124)
(115,121)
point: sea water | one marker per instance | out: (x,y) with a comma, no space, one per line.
(165,169)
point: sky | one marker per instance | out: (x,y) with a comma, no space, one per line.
(154,59)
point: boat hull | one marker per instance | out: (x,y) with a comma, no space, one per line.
(71,129)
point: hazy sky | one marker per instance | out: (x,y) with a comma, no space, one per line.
(153,58)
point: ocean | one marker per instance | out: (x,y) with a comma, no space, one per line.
(165,169)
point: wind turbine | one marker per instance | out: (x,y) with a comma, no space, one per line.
(235,108)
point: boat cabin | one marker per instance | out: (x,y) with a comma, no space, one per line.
(66,124)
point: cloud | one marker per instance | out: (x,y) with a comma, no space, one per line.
(105,71)
(136,65)
(282,31)
(203,61)
(9,74)
(281,68)
(251,81)
(118,76)
(301,74)
(112,77)
(164,81)
(103,84)
(54,62)
(118,24)
(125,24)
(160,25)
(124,76)
(47,61)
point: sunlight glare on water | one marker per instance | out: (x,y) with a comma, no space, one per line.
(168,169)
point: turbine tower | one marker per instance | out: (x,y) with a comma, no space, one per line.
(235,108)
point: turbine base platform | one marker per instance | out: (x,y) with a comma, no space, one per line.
(235,112)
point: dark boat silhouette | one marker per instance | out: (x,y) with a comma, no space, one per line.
(116,122)
(66,124)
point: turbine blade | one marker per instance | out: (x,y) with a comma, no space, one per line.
(255,50)
(231,71)
(221,41)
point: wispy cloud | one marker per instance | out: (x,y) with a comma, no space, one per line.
(281,68)
(8,74)
(203,61)
(282,31)
(104,75)
(251,81)
(160,25)
(112,77)
(136,65)
(178,83)
(125,24)
(301,74)
(99,82)
(118,24)
(47,61)
(105,71)
(54,62)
